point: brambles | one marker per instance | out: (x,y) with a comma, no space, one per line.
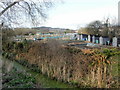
(110,52)
(88,68)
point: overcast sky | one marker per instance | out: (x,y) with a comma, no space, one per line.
(74,14)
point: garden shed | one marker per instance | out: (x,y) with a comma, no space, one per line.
(116,41)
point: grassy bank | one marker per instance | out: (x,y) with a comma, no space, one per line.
(21,77)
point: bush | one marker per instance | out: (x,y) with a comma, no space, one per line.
(110,52)
(87,68)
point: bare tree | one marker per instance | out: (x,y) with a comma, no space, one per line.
(19,11)
(95,26)
(92,28)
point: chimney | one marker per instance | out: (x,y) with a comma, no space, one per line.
(119,13)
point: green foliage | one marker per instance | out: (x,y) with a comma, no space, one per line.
(7,34)
(73,50)
(19,46)
(8,55)
(16,79)
(57,62)
(33,67)
(110,52)
(13,48)
(27,78)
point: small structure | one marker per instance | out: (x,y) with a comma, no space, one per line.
(84,37)
(93,39)
(75,36)
(81,37)
(90,38)
(104,40)
(78,37)
(97,39)
(116,41)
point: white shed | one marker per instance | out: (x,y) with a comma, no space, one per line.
(116,41)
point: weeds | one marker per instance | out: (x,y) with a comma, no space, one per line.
(84,68)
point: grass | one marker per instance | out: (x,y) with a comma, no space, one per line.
(115,70)
(115,64)
(22,77)
(46,82)
(16,79)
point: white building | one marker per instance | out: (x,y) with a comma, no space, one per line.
(116,41)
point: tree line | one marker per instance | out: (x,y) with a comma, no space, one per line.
(101,29)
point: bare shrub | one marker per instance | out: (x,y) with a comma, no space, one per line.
(86,68)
